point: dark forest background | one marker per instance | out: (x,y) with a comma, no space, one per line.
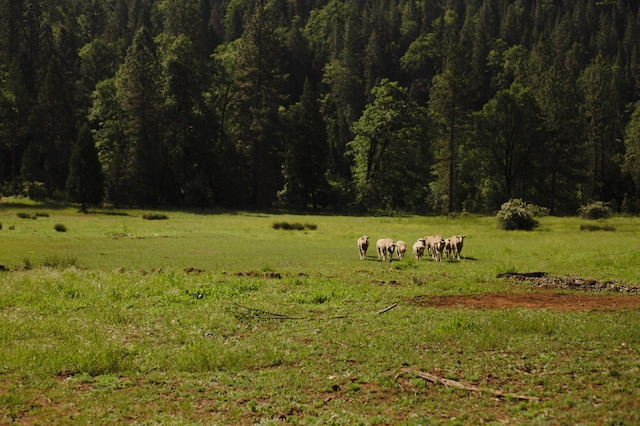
(425,106)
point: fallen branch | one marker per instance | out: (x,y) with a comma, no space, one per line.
(266,314)
(262,314)
(387,309)
(472,388)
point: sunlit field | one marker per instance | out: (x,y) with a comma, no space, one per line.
(171,317)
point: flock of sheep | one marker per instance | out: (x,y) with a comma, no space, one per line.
(435,246)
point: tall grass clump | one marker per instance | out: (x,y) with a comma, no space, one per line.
(595,210)
(517,214)
(53,261)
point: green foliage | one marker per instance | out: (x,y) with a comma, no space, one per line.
(305,153)
(591,227)
(202,103)
(85,179)
(595,210)
(296,226)
(508,131)
(155,216)
(390,151)
(516,214)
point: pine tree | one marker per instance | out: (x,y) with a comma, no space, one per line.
(138,94)
(85,179)
(305,153)
(260,84)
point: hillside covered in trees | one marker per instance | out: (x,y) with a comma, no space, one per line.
(427,106)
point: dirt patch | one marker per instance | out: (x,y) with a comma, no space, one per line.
(541,279)
(547,297)
(532,300)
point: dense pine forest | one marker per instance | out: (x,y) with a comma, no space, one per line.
(425,106)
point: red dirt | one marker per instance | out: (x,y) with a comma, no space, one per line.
(533,300)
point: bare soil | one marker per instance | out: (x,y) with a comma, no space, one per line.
(545,295)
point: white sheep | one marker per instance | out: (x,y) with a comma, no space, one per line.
(363,245)
(435,246)
(456,245)
(401,249)
(385,248)
(418,248)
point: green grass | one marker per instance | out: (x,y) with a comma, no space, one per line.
(107,326)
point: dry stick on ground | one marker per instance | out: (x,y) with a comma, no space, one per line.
(387,309)
(270,315)
(455,384)
(266,314)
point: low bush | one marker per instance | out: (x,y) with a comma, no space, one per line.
(294,226)
(590,227)
(595,210)
(155,216)
(59,227)
(517,214)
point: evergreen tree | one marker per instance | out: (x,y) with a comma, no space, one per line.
(305,153)
(85,179)
(138,93)
(449,102)
(52,135)
(186,127)
(260,92)
(508,129)
(631,164)
(600,109)
(557,96)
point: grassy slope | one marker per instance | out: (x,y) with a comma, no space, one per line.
(105,346)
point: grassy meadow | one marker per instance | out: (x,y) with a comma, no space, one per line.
(218,318)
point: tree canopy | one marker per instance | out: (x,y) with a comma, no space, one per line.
(416,105)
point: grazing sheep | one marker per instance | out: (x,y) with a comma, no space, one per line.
(363,245)
(418,248)
(401,249)
(435,246)
(385,248)
(456,245)
(447,248)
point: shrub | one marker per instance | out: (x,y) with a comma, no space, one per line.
(584,227)
(155,216)
(294,226)
(23,215)
(595,210)
(60,227)
(516,214)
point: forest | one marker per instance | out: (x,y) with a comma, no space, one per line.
(421,106)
